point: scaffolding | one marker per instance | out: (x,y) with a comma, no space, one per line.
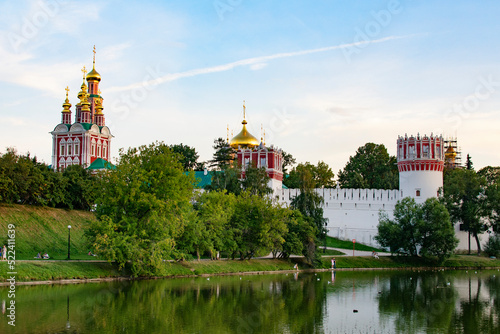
(453,153)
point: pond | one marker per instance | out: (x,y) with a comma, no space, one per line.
(340,302)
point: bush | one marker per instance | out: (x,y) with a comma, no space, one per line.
(492,247)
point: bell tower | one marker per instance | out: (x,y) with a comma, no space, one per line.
(420,165)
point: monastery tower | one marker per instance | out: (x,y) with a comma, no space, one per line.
(87,141)
(420,165)
(251,152)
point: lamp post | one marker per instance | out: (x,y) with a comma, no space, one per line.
(69,241)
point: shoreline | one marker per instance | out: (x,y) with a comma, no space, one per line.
(247,273)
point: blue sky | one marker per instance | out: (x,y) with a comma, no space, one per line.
(322,77)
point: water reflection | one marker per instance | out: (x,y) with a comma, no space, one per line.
(331,302)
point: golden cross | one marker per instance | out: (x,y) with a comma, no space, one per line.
(84,71)
(94,54)
(67,90)
(244,108)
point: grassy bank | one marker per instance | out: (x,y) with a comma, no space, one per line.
(39,229)
(456,261)
(347,244)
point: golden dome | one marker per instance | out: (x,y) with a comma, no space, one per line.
(93,75)
(66,105)
(450,153)
(244,138)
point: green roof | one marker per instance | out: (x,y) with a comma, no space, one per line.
(86,126)
(203,180)
(100,163)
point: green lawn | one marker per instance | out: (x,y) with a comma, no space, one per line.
(45,230)
(347,244)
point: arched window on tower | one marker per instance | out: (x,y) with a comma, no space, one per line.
(70,147)
(62,147)
(92,148)
(99,148)
(105,150)
(77,147)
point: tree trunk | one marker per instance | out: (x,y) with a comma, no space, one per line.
(198,254)
(478,244)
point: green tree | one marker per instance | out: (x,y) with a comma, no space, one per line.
(187,156)
(256,225)
(81,188)
(492,193)
(310,204)
(256,181)
(288,161)
(321,174)
(142,209)
(300,237)
(418,229)
(223,155)
(463,194)
(371,167)
(210,230)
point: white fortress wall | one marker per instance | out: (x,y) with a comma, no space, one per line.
(351,213)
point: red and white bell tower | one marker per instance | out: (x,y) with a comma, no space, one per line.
(420,165)
(86,142)
(251,152)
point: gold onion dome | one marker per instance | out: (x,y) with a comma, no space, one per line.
(450,153)
(66,105)
(93,75)
(244,138)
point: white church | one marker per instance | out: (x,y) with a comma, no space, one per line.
(354,213)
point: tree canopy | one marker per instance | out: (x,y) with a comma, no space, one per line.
(310,205)
(256,180)
(418,229)
(223,155)
(142,208)
(188,156)
(288,161)
(371,167)
(464,196)
(24,180)
(321,176)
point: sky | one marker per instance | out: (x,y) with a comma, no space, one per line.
(321,78)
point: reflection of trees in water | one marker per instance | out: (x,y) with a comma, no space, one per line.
(254,304)
(419,301)
(425,302)
(250,305)
(479,313)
